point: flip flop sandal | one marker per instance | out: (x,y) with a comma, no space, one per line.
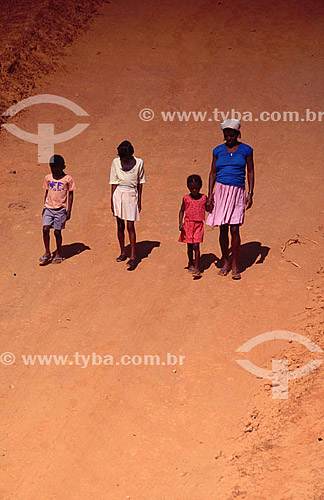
(57,260)
(121,258)
(43,260)
(236,275)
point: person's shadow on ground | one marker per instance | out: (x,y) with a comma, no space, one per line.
(206,260)
(143,250)
(250,253)
(72,249)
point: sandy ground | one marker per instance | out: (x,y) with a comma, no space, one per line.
(206,429)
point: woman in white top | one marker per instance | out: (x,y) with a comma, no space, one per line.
(126,178)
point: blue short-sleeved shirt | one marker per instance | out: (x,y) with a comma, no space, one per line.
(230,167)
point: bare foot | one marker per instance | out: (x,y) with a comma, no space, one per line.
(191,268)
(225,269)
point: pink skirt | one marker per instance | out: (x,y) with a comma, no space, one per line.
(229,205)
(192,232)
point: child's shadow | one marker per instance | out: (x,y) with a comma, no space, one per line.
(69,251)
(143,250)
(206,260)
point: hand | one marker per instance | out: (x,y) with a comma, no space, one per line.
(112,206)
(210,204)
(139,204)
(249,201)
(181,226)
(68,216)
(43,211)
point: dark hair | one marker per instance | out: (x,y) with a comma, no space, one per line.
(194,178)
(57,161)
(125,149)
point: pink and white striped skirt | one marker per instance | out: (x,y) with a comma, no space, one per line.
(229,205)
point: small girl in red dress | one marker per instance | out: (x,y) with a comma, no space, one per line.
(192,228)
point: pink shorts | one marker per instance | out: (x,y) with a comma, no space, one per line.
(192,232)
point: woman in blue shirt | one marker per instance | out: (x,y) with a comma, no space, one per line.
(227,205)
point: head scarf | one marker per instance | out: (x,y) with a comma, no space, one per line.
(231,123)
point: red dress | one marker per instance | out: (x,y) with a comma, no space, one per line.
(193,229)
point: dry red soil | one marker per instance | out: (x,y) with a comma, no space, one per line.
(205,430)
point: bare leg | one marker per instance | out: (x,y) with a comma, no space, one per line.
(197,258)
(121,235)
(46,239)
(132,238)
(190,257)
(236,243)
(223,241)
(58,237)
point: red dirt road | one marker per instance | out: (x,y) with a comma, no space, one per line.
(167,432)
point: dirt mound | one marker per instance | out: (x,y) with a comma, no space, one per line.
(34,36)
(277,439)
